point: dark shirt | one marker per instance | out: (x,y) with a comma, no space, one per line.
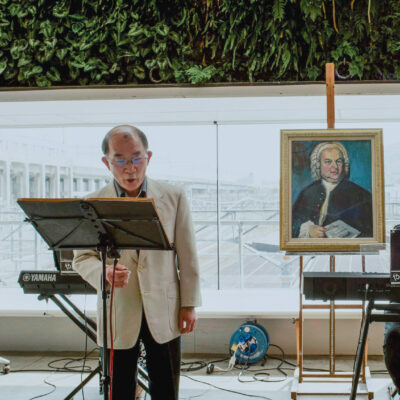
(121,192)
(142,193)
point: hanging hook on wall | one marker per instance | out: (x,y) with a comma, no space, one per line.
(152,73)
(342,71)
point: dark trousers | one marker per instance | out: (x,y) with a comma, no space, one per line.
(391,351)
(162,362)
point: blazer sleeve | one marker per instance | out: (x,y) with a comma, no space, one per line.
(88,264)
(188,263)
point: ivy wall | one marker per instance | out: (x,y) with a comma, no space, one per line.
(88,42)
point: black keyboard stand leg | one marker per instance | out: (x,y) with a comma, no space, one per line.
(360,350)
(83,383)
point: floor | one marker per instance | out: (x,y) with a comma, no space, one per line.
(33,375)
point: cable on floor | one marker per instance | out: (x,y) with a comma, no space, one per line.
(45,394)
(227,390)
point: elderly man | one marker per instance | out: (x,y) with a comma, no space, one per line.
(332,206)
(156,291)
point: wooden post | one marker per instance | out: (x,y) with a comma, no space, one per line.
(330,94)
(300,337)
(330,116)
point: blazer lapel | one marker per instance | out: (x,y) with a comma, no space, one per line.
(107,191)
(153,192)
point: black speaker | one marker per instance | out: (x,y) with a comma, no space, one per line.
(395,255)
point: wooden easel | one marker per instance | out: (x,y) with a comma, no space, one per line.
(300,378)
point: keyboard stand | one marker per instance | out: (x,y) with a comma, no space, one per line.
(370,317)
(88,326)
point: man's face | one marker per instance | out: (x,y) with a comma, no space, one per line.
(332,165)
(123,146)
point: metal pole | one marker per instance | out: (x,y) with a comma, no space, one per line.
(36,249)
(12,243)
(218,209)
(105,377)
(360,349)
(300,322)
(241,255)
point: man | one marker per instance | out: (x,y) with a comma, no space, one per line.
(332,206)
(156,292)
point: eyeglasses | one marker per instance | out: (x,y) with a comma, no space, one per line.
(124,163)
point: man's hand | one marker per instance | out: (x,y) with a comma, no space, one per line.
(187,319)
(121,276)
(317,231)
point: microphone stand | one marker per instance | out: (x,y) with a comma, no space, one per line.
(105,247)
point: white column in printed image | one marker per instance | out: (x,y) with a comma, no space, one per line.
(7,182)
(42,181)
(57,182)
(25,180)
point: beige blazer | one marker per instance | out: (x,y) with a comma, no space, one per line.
(161,281)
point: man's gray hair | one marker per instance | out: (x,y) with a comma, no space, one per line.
(129,129)
(315,158)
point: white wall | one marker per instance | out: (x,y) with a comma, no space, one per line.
(47,333)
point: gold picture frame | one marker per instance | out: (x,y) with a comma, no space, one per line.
(331,189)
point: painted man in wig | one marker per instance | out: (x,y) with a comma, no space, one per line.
(332,206)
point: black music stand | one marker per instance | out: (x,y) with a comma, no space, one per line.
(106,225)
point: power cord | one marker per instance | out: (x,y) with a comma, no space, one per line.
(256,377)
(199,364)
(71,368)
(227,390)
(45,394)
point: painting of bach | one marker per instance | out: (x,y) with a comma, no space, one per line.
(333,189)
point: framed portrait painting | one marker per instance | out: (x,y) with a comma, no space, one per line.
(332,190)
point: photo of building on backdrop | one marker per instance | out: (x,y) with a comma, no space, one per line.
(332,189)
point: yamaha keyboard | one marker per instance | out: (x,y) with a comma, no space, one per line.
(349,286)
(53,282)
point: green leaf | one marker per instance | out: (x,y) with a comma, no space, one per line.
(61,9)
(46,28)
(42,81)
(18,47)
(4,23)
(150,63)
(24,60)
(77,27)
(61,53)
(199,75)
(16,10)
(278,9)
(139,72)
(3,66)
(53,74)
(78,17)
